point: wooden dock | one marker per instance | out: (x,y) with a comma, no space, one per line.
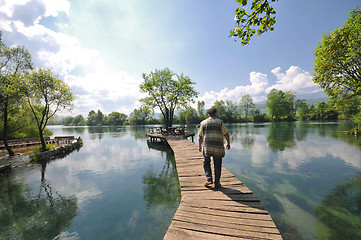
(232,212)
(155,137)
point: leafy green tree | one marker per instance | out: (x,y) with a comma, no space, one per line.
(189,115)
(201,109)
(321,110)
(67,121)
(116,118)
(347,108)
(258,116)
(14,61)
(92,118)
(258,20)
(139,116)
(21,122)
(226,110)
(167,91)
(78,121)
(338,60)
(46,95)
(281,105)
(302,109)
(247,104)
(100,118)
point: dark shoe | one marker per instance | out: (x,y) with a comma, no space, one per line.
(217,185)
(208,183)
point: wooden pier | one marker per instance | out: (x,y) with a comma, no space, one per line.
(232,212)
(156,137)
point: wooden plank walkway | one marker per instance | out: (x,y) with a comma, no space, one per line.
(232,212)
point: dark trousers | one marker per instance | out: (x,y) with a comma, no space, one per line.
(217,168)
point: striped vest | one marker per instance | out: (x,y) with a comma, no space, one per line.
(212,135)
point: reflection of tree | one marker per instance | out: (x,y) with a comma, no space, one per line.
(71,130)
(25,217)
(339,215)
(247,140)
(163,188)
(281,136)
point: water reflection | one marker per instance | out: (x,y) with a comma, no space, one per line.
(121,187)
(25,216)
(280,137)
(292,167)
(162,188)
(338,216)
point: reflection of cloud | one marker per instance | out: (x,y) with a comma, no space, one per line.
(94,160)
(306,151)
(260,153)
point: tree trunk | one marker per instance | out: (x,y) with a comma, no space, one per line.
(166,119)
(43,144)
(5,134)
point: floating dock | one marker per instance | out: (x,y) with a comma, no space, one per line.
(231,212)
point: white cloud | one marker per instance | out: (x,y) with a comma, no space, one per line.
(101,86)
(294,79)
(256,89)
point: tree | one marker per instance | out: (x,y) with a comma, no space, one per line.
(337,68)
(92,121)
(167,91)
(281,105)
(348,108)
(226,110)
(259,20)
(200,108)
(46,94)
(67,121)
(14,61)
(139,116)
(116,118)
(301,109)
(189,115)
(247,104)
(100,118)
(78,121)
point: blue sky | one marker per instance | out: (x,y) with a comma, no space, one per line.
(102,47)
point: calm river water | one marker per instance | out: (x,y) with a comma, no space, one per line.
(119,186)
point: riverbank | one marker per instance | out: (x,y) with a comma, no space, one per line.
(22,158)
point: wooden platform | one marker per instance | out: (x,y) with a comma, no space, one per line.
(155,137)
(232,212)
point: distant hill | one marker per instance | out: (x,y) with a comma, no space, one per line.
(263,108)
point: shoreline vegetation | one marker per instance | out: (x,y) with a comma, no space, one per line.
(230,112)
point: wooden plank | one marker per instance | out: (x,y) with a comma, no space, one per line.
(216,218)
(208,228)
(227,225)
(174,233)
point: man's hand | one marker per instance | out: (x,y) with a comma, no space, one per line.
(200,148)
(228,146)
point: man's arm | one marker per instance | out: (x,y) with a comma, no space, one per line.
(200,140)
(228,146)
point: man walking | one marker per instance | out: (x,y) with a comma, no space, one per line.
(211,133)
